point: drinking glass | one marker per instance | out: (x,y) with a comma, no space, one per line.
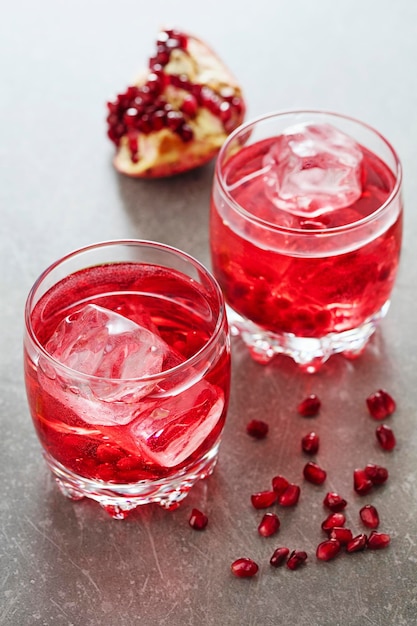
(305,229)
(127,368)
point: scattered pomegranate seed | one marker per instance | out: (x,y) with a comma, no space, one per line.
(198,520)
(386,437)
(380,404)
(333,520)
(310,443)
(361,483)
(296,558)
(369,516)
(279,556)
(343,535)
(279,484)
(263,499)
(376,474)
(310,406)
(334,502)
(376,540)
(328,549)
(290,496)
(314,473)
(244,568)
(269,525)
(357,543)
(257,429)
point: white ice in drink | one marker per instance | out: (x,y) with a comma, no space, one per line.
(110,353)
(312,169)
(101,343)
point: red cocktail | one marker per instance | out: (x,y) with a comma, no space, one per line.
(127,372)
(306,224)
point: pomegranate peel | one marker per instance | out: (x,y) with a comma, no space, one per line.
(178,113)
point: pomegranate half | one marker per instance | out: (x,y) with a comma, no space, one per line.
(177,115)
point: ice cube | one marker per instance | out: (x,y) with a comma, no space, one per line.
(110,347)
(312,169)
(178,424)
(163,423)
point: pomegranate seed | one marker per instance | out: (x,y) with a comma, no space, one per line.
(279,556)
(181,40)
(279,484)
(269,525)
(310,406)
(186,133)
(174,120)
(314,473)
(179,80)
(380,404)
(361,483)
(263,499)
(158,120)
(310,443)
(173,43)
(328,549)
(386,437)
(144,124)
(237,104)
(334,502)
(244,568)
(376,473)
(369,516)
(107,453)
(333,520)
(290,496)
(155,83)
(198,520)
(357,543)
(133,142)
(257,429)
(343,535)
(189,105)
(225,111)
(296,558)
(376,540)
(161,58)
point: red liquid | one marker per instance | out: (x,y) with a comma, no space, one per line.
(120,453)
(275,282)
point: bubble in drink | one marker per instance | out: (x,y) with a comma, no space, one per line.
(103,344)
(312,169)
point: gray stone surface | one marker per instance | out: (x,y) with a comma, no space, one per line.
(69,563)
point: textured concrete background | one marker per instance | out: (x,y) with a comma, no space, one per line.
(66,563)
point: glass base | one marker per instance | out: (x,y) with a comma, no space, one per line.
(119,499)
(308,352)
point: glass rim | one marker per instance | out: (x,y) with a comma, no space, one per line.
(246,126)
(163,374)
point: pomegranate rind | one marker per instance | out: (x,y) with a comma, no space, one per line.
(163,153)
